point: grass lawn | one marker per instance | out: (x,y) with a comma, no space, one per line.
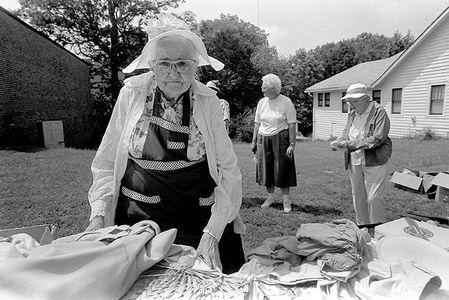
(51,186)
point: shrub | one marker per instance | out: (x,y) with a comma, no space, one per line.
(428,134)
(242,126)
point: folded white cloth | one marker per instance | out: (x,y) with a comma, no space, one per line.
(85,269)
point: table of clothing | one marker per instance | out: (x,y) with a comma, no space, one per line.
(334,260)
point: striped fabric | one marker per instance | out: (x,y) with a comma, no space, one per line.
(175,145)
(156,199)
(207,201)
(164,165)
(139,197)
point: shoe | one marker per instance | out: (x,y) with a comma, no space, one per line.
(287,207)
(267,203)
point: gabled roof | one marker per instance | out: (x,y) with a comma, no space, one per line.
(374,72)
(415,44)
(365,73)
(40,33)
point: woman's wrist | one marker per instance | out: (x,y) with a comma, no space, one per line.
(207,231)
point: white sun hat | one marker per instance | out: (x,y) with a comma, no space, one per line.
(355,91)
(168,25)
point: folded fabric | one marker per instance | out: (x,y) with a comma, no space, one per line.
(338,246)
(277,251)
(394,280)
(107,234)
(84,269)
(22,242)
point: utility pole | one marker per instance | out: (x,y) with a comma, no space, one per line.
(258,13)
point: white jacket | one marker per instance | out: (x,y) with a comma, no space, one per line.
(109,164)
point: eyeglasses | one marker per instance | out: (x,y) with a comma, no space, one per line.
(182,65)
(352,101)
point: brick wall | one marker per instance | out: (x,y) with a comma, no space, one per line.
(40,81)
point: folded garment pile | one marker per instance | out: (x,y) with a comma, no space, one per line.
(322,261)
(334,261)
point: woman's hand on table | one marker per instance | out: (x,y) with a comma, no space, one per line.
(208,251)
(96,223)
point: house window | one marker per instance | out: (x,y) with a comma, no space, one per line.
(437,99)
(376,96)
(344,104)
(396,101)
(327,99)
(320,99)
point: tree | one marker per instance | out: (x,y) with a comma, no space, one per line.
(398,43)
(335,57)
(105,31)
(301,71)
(234,42)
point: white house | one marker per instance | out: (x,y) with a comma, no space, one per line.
(412,86)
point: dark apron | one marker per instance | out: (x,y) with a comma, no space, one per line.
(164,186)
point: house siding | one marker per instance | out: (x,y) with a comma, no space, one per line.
(40,81)
(329,121)
(427,65)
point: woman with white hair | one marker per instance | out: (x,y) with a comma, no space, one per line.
(166,156)
(274,140)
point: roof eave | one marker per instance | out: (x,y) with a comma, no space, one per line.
(415,44)
(309,90)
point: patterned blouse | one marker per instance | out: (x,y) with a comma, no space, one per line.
(196,149)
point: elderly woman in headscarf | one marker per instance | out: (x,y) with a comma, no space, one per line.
(274,139)
(166,156)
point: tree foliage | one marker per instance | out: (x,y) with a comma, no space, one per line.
(247,55)
(109,33)
(301,71)
(105,31)
(307,68)
(234,42)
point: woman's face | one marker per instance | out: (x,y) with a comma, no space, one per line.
(268,91)
(174,80)
(359,104)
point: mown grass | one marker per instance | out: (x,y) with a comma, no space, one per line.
(51,186)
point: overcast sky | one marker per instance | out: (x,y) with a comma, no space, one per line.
(294,24)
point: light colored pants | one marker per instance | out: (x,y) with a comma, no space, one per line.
(368,186)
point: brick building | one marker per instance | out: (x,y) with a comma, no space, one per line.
(41,85)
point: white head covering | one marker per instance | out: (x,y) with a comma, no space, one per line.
(168,25)
(212,85)
(355,91)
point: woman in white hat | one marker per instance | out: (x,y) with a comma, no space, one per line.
(367,152)
(166,156)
